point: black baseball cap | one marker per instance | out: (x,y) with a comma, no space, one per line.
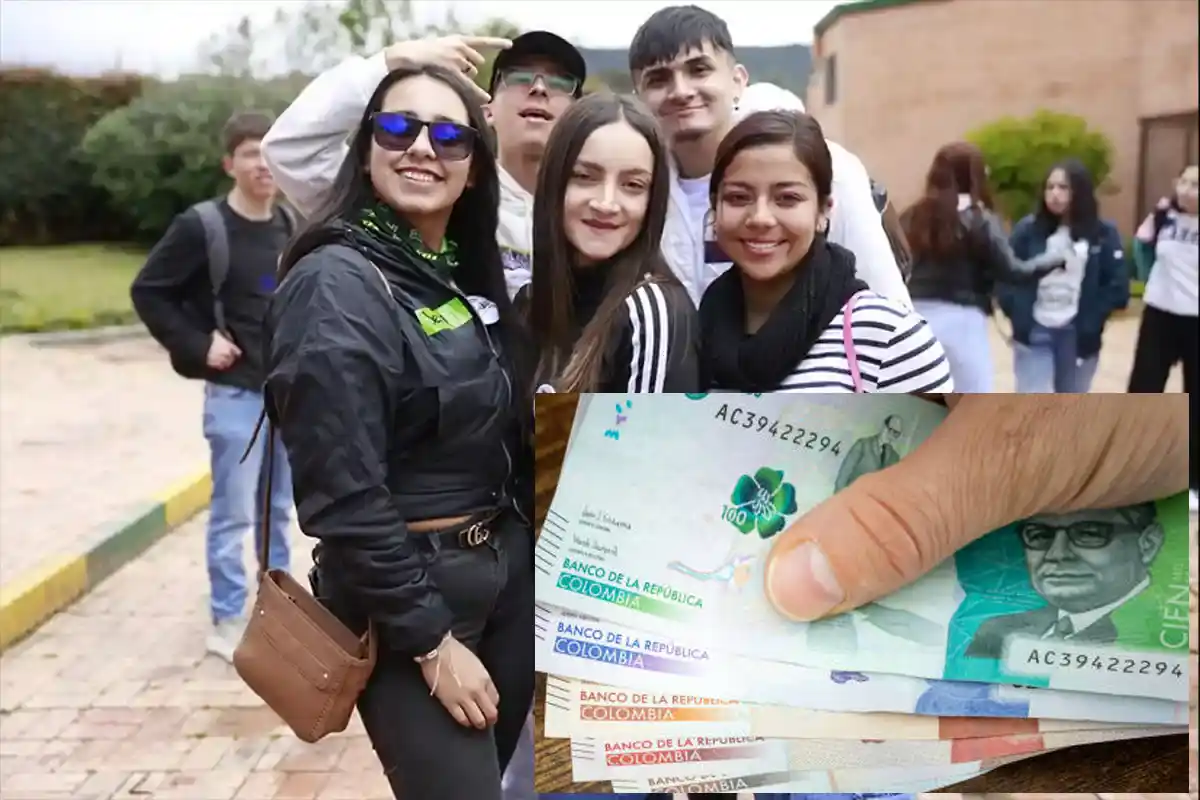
(541,44)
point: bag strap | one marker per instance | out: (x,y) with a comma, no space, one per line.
(267,486)
(216,242)
(848,342)
(264,422)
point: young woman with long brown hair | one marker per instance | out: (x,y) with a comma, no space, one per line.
(395,378)
(604,309)
(792,314)
(960,252)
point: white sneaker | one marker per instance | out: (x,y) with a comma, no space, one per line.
(1194,501)
(224,638)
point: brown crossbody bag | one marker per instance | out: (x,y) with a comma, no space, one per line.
(304,663)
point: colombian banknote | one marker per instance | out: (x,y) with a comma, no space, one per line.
(909,780)
(668,504)
(606,759)
(575,709)
(572,646)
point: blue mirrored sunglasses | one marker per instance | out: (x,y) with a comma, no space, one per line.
(451,141)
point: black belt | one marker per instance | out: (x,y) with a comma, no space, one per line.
(472,532)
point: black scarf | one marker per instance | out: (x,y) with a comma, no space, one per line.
(587,292)
(588,285)
(759,362)
(381,235)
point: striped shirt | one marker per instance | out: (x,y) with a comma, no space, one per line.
(896,351)
(656,346)
(649,337)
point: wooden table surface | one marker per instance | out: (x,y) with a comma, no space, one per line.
(1144,766)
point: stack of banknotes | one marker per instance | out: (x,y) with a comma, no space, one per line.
(669,670)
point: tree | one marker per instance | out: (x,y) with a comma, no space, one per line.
(1019,152)
(316,36)
(618,80)
(162,152)
(232,52)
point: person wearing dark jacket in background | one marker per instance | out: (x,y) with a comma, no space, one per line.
(604,308)
(396,375)
(960,253)
(215,336)
(1059,321)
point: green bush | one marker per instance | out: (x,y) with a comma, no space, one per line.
(1020,152)
(45,194)
(162,152)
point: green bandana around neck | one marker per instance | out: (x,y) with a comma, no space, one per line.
(381,222)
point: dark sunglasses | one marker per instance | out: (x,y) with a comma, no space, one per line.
(451,141)
(1088,535)
(555,84)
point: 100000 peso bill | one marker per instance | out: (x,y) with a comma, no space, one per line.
(668,504)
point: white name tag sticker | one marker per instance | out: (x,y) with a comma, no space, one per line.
(485,308)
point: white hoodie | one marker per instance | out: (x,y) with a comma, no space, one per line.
(854,223)
(306,146)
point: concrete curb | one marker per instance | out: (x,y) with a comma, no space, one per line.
(112,333)
(33,598)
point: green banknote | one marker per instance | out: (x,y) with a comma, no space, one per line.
(668,504)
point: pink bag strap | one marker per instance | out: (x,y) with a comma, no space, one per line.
(848,342)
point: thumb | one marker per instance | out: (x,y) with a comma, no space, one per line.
(885,530)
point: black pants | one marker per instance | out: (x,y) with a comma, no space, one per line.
(424,752)
(1164,340)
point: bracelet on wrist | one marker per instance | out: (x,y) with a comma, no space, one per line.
(434,653)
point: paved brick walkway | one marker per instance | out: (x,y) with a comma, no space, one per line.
(115,699)
(90,434)
(1116,359)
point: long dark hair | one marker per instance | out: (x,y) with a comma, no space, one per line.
(552,312)
(472,224)
(1083,215)
(932,224)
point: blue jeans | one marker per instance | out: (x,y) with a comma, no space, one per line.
(963,333)
(230,415)
(1050,363)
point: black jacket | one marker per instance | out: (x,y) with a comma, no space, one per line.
(392,408)
(173,293)
(658,343)
(970,277)
(656,339)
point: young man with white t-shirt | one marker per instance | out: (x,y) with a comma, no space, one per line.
(684,69)
(1168,242)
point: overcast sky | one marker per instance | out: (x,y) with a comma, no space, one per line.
(163,36)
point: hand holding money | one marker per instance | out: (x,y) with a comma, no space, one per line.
(995,459)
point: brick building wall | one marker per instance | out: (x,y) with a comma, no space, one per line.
(911,75)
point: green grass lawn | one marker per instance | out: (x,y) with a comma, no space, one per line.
(74,286)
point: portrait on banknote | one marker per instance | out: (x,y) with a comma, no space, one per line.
(1086,566)
(871,453)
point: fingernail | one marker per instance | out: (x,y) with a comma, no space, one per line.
(801,584)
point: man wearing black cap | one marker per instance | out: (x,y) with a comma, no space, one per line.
(533,83)
(535,78)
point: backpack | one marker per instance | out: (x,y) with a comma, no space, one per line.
(891,226)
(216,244)
(1145,253)
(1162,215)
